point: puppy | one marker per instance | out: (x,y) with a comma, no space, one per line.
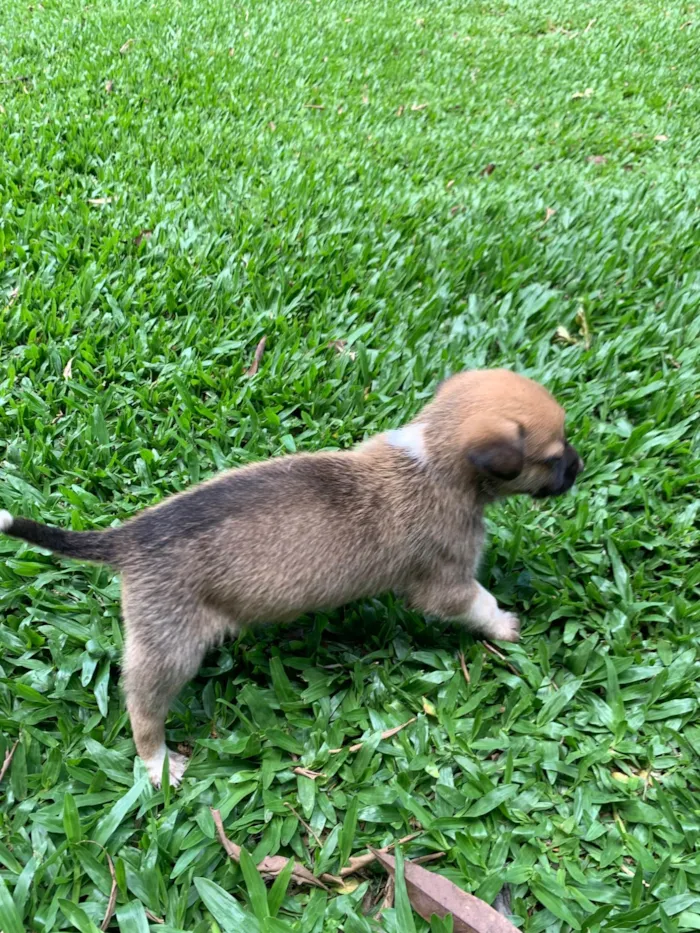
(400,512)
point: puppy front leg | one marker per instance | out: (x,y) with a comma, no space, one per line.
(486,616)
(470,604)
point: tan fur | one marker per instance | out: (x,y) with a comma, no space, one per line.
(307,532)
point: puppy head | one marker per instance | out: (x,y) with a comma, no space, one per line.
(507,432)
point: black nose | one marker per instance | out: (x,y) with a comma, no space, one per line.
(573,464)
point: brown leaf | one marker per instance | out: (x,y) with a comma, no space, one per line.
(416,107)
(584,329)
(430,894)
(272,865)
(597,160)
(125,48)
(8,760)
(548,214)
(259,350)
(385,735)
(490,648)
(97,202)
(489,169)
(311,775)
(112,902)
(68,369)
(387,901)
(231,52)
(450,183)
(358,862)
(109,86)
(144,235)
(463,665)
(399,112)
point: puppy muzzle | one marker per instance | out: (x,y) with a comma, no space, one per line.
(564,474)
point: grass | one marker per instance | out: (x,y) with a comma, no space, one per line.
(179,179)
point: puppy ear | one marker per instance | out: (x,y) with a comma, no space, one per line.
(497,449)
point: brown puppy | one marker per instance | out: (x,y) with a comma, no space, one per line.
(402,511)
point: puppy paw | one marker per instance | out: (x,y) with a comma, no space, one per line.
(176,766)
(506,627)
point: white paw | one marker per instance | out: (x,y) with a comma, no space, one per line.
(176,766)
(506,627)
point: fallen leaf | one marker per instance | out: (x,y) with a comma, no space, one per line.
(272,865)
(590,25)
(563,336)
(584,330)
(431,893)
(96,202)
(272,126)
(315,106)
(579,94)
(490,168)
(311,775)
(685,25)
(365,99)
(125,48)
(385,735)
(597,159)
(68,369)
(420,22)
(416,107)
(255,365)
(463,665)
(358,862)
(387,901)
(306,826)
(144,235)
(8,759)
(490,648)
(548,214)
(433,857)
(450,183)
(428,708)
(347,887)
(109,86)
(231,52)
(661,138)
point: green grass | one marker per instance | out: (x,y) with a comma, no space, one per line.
(570,770)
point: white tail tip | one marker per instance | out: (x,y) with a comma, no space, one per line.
(5,520)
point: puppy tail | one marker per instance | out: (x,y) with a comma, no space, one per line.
(98,546)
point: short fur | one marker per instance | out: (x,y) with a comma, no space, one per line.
(401,512)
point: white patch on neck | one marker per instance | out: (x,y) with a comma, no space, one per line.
(411,440)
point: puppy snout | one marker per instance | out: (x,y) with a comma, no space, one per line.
(573,464)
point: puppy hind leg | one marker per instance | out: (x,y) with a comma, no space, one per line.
(153,676)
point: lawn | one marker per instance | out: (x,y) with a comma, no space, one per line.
(387,192)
